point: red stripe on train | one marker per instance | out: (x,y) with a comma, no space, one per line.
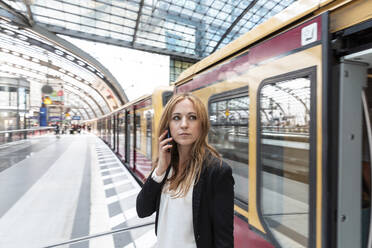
(245,237)
(279,45)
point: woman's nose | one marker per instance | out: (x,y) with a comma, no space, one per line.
(183,122)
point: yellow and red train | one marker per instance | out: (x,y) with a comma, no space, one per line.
(290,106)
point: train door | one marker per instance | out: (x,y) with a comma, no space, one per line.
(287,82)
(113,132)
(121,135)
(127,136)
(109,128)
(367,164)
(131,139)
(117,133)
(105,130)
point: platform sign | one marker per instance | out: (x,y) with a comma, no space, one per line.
(76,117)
(43,117)
(54,118)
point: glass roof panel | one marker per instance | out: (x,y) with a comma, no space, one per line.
(187,28)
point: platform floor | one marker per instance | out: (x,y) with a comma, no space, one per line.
(57,189)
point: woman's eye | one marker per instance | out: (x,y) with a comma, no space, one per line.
(176,118)
(193,117)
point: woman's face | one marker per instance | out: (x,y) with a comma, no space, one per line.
(184,124)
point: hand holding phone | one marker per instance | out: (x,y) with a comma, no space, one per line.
(165,146)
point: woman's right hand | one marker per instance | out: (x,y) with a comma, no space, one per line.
(164,153)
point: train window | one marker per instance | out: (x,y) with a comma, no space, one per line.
(228,116)
(166,96)
(284,159)
(138,130)
(149,116)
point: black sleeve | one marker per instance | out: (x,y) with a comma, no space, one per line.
(223,207)
(147,197)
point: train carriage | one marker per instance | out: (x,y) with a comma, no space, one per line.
(131,130)
(289,105)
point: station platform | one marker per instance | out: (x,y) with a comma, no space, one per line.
(53,190)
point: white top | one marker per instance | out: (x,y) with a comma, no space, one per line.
(175,225)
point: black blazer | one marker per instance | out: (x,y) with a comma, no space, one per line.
(212,204)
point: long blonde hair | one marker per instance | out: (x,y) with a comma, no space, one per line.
(183,177)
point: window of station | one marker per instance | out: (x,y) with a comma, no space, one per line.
(229,135)
(284,159)
(176,68)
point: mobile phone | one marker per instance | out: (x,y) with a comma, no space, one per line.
(169,136)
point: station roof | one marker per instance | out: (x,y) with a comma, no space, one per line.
(183,29)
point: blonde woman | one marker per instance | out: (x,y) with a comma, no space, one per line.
(190,188)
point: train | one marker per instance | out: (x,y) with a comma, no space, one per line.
(289,104)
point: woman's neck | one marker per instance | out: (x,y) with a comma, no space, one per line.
(184,154)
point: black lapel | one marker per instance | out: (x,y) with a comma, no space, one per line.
(196,197)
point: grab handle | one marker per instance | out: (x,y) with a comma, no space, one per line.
(369,135)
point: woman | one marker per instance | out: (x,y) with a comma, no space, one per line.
(190,188)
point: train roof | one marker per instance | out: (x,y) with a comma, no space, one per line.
(157,90)
(289,15)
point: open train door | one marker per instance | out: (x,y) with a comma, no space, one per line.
(288,82)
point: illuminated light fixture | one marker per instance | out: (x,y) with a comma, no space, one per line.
(69,57)
(47,100)
(61,70)
(70,74)
(78,78)
(91,68)
(4,21)
(18,66)
(9,32)
(29,2)
(25,56)
(58,52)
(35,60)
(22,37)
(100,75)
(16,53)
(81,63)
(5,50)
